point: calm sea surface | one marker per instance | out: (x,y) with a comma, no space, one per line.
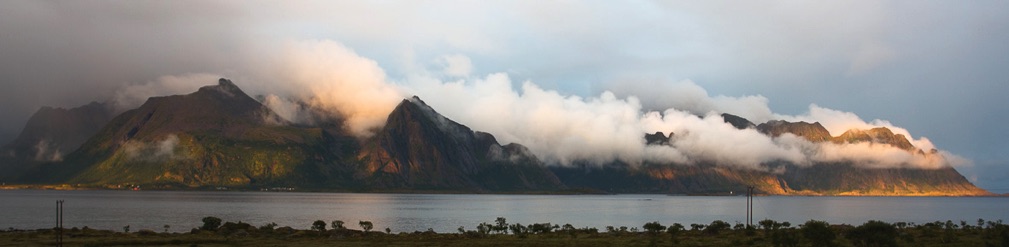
(182,210)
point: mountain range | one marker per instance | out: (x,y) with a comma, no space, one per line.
(219,136)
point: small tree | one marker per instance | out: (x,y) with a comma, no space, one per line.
(166,228)
(541,228)
(126,229)
(502,225)
(211,223)
(337,225)
(653,228)
(716,227)
(484,228)
(674,230)
(388,231)
(319,225)
(818,232)
(767,224)
(519,230)
(366,225)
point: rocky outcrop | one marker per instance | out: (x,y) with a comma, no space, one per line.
(737,121)
(813,132)
(658,138)
(881,135)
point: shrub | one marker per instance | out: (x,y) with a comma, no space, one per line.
(716,227)
(365,225)
(653,227)
(210,223)
(519,230)
(873,233)
(268,227)
(784,238)
(674,230)
(231,227)
(818,232)
(696,227)
(540,228)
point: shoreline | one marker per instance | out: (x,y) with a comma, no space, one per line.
(67,187)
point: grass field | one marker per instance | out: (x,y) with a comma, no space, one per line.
(718,233)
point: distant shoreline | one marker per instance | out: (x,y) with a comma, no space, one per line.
(438,192)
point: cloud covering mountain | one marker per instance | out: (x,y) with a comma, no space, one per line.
(937,70)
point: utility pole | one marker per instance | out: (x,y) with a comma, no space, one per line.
(59,223)
(749,205)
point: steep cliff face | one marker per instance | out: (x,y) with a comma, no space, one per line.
(421,149)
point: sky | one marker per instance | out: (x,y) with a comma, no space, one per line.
(936,69)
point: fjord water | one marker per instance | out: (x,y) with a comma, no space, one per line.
(182,210)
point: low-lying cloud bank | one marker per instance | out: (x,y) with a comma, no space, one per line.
(560,129)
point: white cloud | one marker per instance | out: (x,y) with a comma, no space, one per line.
(456,65)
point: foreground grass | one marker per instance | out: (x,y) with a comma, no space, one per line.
(767,233)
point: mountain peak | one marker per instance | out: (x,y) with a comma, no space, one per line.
(881,135)
(737,121)
(814,132)
(224,87)
(423,149)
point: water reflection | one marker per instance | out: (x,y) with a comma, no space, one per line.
(28,209)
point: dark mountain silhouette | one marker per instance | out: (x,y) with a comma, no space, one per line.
(53,132)
(737,121)
(421,149)
(50,134)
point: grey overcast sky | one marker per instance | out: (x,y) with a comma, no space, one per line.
(939,69)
